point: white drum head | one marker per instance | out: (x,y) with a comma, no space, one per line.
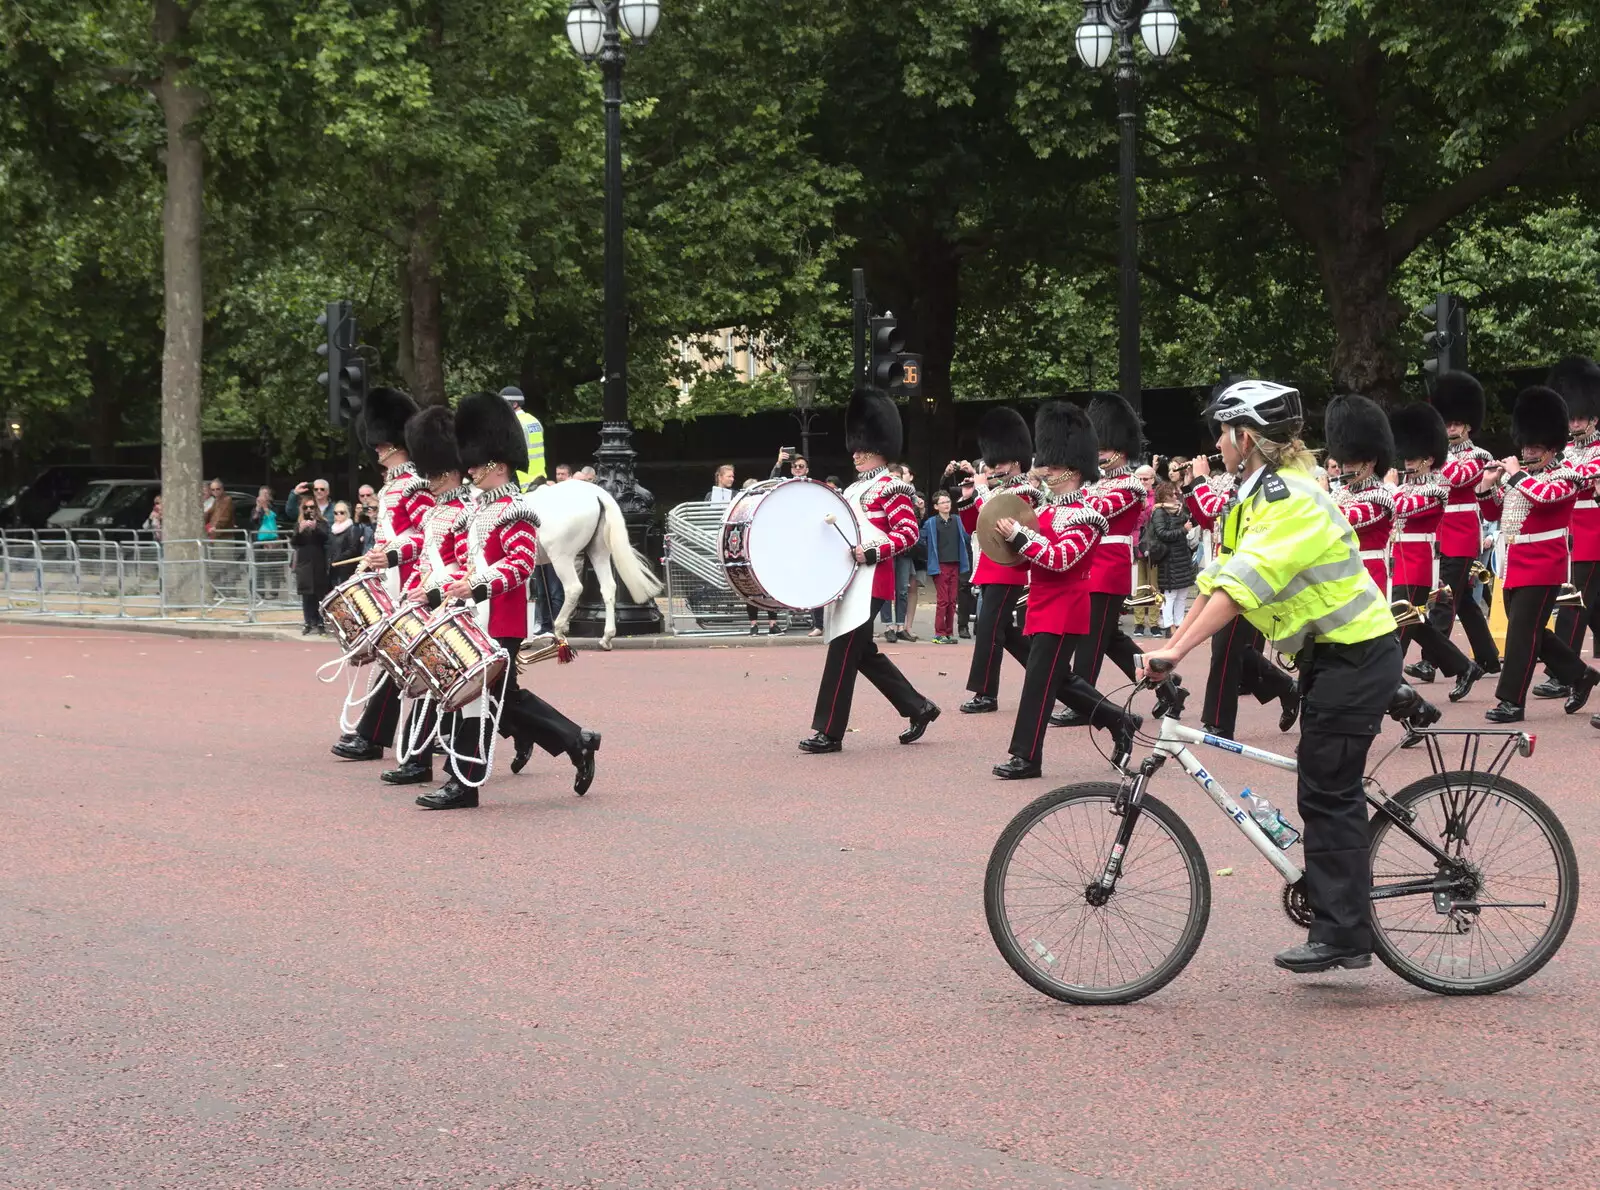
(800,559)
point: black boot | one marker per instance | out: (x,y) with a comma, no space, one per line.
(453,795)
(519,759)
(583,761)
(1580,691)
(1421,670)
(1464,683)
(1017,769)
(1122,739)
(1290,710)
(412,772)
(1550,688)
(980,704)
(919,723)
(1311,957)
(819,743)
(1067,717)
(358,748)
(1505,712)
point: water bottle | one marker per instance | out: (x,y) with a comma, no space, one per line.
(1270,820)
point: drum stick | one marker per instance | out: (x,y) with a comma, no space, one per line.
(834,521)
(348,561)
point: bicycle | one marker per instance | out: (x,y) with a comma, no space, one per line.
(1098,892)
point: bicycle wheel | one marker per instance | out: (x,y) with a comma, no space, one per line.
(1514,894)
(1041,896)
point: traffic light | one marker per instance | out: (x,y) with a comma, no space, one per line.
(892,369)
(1446,343)
(346,377)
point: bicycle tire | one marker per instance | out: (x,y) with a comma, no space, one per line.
(1562,883)
(1097,797)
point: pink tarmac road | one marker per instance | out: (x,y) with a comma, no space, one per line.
(232,960)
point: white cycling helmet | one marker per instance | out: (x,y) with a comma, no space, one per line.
(1271,410)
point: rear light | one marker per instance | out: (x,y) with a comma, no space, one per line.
(1528,742)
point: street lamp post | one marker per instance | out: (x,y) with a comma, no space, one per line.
(803,381)
(1107,24)
(11,439)
(595,29)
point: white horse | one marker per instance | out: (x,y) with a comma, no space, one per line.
(582,518)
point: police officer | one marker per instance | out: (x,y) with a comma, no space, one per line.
(1290,564)
(534,431)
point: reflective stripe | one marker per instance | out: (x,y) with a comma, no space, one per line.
(1530,538)
(1338,570)
(1331,622)
(1430,538)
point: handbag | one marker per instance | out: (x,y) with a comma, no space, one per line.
(1154,548)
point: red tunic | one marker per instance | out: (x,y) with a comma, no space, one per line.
(403,502)
(1058,580)
(506,531)
(1583,455)
(1205,502)
(1418,509)
(988,570)
(1124,503)
(891,508)
(1369,507)
(441,526)
(1536,549)
(1461,531)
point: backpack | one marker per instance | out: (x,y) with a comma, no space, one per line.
(1154,548)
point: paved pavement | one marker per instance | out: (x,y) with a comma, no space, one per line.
(232,960)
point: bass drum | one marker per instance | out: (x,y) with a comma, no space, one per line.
(779,549)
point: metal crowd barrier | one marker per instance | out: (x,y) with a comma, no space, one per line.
(121,574)
(700,600)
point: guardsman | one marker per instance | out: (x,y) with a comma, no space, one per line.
(886,514)
(402,502)
(1459,399)
(1578,381)
(1535,492)
(1059,554)
(533,432)
(1006,447)
(1422,446)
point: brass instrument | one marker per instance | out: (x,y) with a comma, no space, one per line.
(1570,596)
(1406,614)
(543,647)
(1145,596)
(1481,572)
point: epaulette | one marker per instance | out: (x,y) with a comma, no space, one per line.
(1469,450)
(411,485)
(507,511)
(1069,515)
(896,487)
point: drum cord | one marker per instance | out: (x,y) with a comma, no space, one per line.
(488,734)
(408,745)
(347,725)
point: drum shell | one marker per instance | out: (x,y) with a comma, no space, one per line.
(354,618)
(390,640)
(456,680)
(736,545)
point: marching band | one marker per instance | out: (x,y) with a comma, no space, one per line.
(440,604)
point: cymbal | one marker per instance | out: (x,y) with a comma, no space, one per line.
(1003,504)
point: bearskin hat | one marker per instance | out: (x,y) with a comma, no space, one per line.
(1577,379)
(1358,432)
(1003,437)
(1459,397)
(487,431)
(1063,436)
(1539,418)
(872,424)
(431,441)
(384,417)
(1116,425)
(1419,433)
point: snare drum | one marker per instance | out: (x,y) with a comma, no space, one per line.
(456,658)
(779,550)
(389,642)
(355,607)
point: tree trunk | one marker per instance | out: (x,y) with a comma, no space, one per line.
(105,404)
(407,363)
(427,312)
(930,324)
(182,215)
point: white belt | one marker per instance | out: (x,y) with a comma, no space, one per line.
(1472,508)
(1587,504)
(1530,538)
(1116,540)
(1374,555)
(1430,538)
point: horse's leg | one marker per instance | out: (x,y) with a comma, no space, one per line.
(599,554)
(567,571)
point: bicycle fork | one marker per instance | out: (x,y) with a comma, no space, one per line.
(1128,805)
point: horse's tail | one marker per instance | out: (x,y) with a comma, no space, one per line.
(632,567)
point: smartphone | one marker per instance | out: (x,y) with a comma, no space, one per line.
(788,450)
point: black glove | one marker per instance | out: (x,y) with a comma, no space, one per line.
(480,592)
(869,555)
(1018,538)
(435,598)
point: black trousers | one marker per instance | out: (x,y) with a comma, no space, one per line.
(1573,623)
(381,713)
(856,652)
(1105,638)
(1345,691)
(1238,666)
(1529,641)
(966,604)
(1438,650)
(1050,678)
(1456,573)
(311,609)
(524,717)
(997,635)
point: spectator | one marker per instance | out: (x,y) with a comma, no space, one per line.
(586,474)
(365,520)
(1170,533)
(948,563)
(264,533)
(152,523)
(721,486)
(317,489)
(311,578)
(563,472)
(833,482)
(344,539)
(790,465)
(1146,619)
(219,511)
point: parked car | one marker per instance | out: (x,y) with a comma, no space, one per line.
(126,504)
(32,505)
